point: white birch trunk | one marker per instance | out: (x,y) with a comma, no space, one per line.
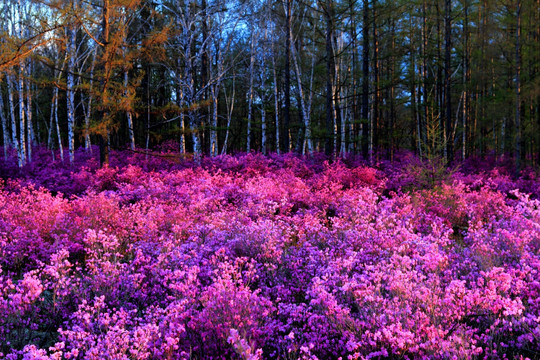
(22,118)
(20,91)
(60,146)
(27,72)
(230,108)
(250,92)
(14,139)
(51,122)
(179,101)
(305,114)
(129,115)
(189,92)
(29,124)
(215,98)
(72,58)
(4,127)
(263,96)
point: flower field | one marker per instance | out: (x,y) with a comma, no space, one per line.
(279,257)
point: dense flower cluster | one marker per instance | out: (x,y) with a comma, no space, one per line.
(254,257)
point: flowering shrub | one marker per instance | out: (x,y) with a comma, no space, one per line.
(278,257)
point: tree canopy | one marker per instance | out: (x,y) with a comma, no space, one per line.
(442,78)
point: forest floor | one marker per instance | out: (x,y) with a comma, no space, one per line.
(267,257)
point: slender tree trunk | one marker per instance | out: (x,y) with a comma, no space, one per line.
(20,90)
(105,33)
(414,104)
(129,112)
(215,88)
(344,121)
(263,129)
(72,58)
(447,80)
(465,113)
(88,112)
(180,88)
(182,133)
(518,88)
(440,84)
(287,110)
(60,146)
(205,75)
(30,139)
(14,139)
(424,75)
(374,120)
(180,103)
(365,78)
(303,107)
(189,92)
(148,107)
(308,141)
(230,108)
(503,136)
(131,132)
(213,132)
(49,128)
(250,91)
(215,98)
(4,127)
(330,69)
(22,118)
(392,92)
(353,115)
(276,98)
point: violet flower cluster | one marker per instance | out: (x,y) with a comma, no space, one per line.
(252,257)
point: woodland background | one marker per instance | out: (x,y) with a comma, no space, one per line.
(444,78)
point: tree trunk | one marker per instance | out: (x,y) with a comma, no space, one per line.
(105,32)
(72,58)
(414,104)
(230,108)
(287,110)
(22,119)
(30,139)
(60,146)
(250,90)
(88,110)
(392,92)
(4,127)
(263,129)
(365,78)
(131,132)
(303,107)
(424,102)
(14,139)
(374,120)
(213,133)
(465,113)
(518,88)
(276,98)
(330,69)
(447,85)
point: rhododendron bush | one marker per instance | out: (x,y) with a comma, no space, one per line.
(252,257)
